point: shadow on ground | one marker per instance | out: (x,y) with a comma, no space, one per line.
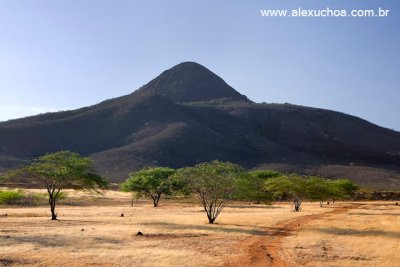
(214,227)
(341,231)
(374,214)
(56,241)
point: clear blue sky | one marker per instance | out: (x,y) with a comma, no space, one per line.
(57,55)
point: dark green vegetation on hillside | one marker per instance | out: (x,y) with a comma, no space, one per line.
(188,115)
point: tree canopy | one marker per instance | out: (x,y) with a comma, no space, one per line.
(214,182)
(251,186)
(61,170)
(311,188)
(152,182)
(292,186)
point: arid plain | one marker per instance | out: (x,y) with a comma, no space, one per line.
(91,232)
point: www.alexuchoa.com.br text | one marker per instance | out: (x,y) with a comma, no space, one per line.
(326,12)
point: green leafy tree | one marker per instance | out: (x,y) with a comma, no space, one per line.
(251,186)
(311,188)
(62,170)
(292,186)
(152,182)
(214,182)
(344,188)
(321,189)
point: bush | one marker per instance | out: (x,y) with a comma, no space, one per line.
(11,197)
(38,198)
(42,198)
(20,197)
(62,195)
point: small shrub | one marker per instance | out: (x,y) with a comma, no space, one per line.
(62,195)
(11,197)
(38,198)
(42,198)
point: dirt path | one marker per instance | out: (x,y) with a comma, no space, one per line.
(264,250)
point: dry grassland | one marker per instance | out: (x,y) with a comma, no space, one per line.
(177,234)
(366,236)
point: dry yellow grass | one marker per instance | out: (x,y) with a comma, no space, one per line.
(176,234)
(366,236)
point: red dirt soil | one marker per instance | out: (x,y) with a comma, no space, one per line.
(263,251)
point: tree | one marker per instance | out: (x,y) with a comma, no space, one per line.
(62,170)
(312,188)
(3,178)
(214,182)
(251,186)
(293,186)
(321,189)
(345,187)
(153,182)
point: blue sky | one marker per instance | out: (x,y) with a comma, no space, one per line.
(58,55)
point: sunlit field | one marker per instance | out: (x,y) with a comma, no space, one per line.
(366,236)
(91,231)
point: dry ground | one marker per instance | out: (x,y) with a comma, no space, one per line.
(177,234)
(366,236)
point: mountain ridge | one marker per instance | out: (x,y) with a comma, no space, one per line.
(187,115)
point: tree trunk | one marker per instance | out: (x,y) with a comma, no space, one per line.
(211,217)
(296,208)
(52,202)
(297,204)
(53,214)
(156,199)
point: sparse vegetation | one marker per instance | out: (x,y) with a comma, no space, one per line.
(176,234)
(215,183)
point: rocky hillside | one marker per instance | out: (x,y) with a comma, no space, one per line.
(188,115)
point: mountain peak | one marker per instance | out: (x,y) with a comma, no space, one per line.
(191,82)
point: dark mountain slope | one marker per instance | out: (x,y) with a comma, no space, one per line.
(92,130)
(189,115)
(325,133)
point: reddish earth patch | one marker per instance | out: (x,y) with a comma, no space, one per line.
(264,250)
(168,236)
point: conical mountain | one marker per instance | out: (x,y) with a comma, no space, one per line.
(189,115)
(191,82)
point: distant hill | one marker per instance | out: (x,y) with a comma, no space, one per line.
(188,115)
